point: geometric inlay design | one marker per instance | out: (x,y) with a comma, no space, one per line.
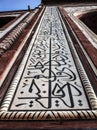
(50,82)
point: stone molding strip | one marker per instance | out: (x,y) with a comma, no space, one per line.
(9,40)
(92,37)
(14,24)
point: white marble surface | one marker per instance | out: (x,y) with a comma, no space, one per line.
(49,80)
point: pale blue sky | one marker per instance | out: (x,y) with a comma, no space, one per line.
(6,5)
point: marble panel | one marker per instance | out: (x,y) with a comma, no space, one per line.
(50,82)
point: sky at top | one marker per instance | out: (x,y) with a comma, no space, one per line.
(8,5)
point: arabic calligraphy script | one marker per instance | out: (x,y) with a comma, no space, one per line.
(50,80)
